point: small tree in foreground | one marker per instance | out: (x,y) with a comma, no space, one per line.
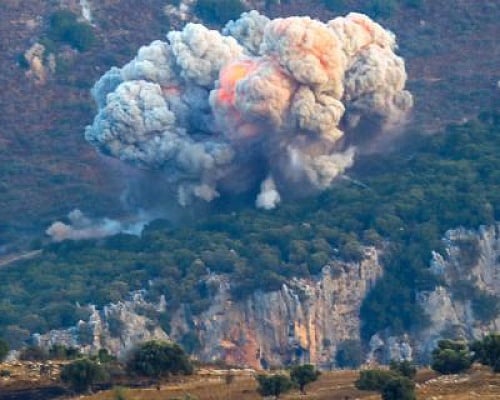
(82,374)
(391,384)
(451,357)
(400,388)
(302,375)
(157,358)
(403,368)
(374,379)
(273,385)
(4,349)
(487,351)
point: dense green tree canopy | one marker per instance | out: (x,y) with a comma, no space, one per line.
(4,349)
(82,374)
(487,351)
(451,357)
(400,388)
(273,385)
(402,201)
(302,375)
(157,358)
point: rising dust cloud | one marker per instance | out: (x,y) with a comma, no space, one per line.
(270,104)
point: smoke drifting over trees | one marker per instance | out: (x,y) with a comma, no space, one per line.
(276,104)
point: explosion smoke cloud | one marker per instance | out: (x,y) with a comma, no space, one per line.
(81,227)
(266,102)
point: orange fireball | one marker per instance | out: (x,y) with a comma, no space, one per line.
(229,78)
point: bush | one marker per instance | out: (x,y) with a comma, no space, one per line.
(374,379)
(391,384)
(302,375)
(337,6)
(4,349)
(22,62)
(157,358)
(403,368)
(451,357)
(82,374)
(487,351)
(33,353)
(61,352)
(218,11)
(400,388)
(418,4)
(64,27)
(381,8)
(273,385)
(119,393)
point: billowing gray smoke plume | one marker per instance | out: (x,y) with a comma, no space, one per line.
(270,103)
(81,227)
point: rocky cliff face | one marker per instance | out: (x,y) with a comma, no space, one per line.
(467,304)
(307,319)
(304,321)
(117,327)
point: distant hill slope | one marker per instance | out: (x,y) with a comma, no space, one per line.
(47,169)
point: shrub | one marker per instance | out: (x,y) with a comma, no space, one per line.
(418,4)
(22,62)
(337,6)
(487,351)
(451,357)
(119,393)
(64,27)
(403,368)
(374,379)
(302,375)
(4,349)
(61,352)
(400,388)
(218,11)
(33,353)
(157,358)
(82,374)
(381,8)
(273,385)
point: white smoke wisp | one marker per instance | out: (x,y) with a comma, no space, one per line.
(268,197)
(280,103)
(81,227)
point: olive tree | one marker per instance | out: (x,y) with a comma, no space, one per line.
(301,375)
(4,349)
(156,359)
(82,374)
(273,385)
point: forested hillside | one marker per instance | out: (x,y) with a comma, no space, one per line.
(401,202)
(47,169)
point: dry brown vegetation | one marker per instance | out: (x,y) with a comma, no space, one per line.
(480,383)
(330,385)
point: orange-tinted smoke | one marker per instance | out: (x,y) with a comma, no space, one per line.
(229,77)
